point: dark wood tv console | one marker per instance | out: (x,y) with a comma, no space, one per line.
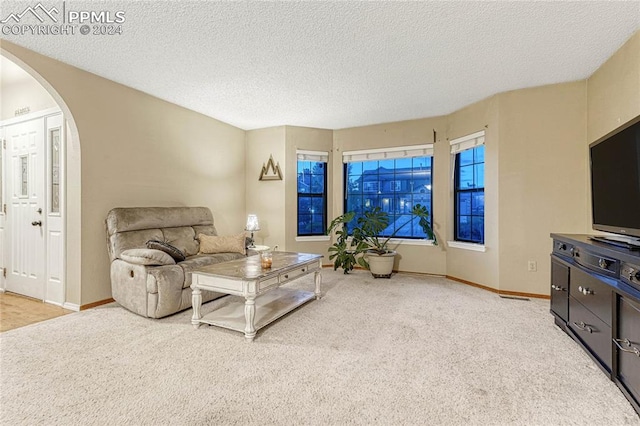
(595,299)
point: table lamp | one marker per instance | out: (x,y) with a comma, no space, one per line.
(252,226)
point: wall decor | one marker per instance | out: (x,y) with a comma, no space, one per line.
(271,170)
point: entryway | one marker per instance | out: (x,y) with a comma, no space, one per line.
(31,221)
(32,188)
(17,311)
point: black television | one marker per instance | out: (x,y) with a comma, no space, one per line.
(615,185)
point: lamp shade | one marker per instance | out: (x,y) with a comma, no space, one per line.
(252,223)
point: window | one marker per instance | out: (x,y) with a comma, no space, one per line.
(394,179)
(54,140)
(312,193)
(370,186)
(24,180)
(469,188)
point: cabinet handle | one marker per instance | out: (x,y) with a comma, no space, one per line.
(627,343)
(585,290)
(286,277)
(584,327)
(556,287)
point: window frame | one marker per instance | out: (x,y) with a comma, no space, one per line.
(472,142)
(313,157)
(408,152)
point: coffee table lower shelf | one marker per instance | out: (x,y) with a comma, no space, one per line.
(269,307)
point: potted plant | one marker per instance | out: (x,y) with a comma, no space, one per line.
(361,243)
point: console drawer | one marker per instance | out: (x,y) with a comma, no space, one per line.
(593,332)
(593,293)
(562,249)
(628,350)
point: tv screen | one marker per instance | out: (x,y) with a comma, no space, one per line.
(615,181)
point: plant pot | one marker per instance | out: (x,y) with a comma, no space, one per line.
(381,265)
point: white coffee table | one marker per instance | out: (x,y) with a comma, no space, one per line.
(264,299)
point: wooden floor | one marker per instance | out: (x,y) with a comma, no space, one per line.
(18,311)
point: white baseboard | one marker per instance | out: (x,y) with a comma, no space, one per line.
(71,306)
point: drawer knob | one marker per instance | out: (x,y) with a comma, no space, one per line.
(584,290)
(286,277)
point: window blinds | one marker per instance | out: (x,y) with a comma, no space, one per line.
(388,153)
(467,142)
(318,156)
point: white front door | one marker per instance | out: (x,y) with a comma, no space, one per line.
(25,217)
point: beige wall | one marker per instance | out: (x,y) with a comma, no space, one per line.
(614,91)
(137,150)
(304,138)
(275,201)
(412,258)
(26,92)
(266,198)
(478,267)
(542,189)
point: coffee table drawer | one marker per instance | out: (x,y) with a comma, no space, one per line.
(216,284)
(269,282)
(293,273)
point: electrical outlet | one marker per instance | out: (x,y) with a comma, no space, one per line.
(532,266)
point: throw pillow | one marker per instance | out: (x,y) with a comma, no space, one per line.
(210,244)
(172,251)
(147,257)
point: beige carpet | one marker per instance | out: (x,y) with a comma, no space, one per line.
(410,350)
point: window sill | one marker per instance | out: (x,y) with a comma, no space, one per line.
(313,238)
(411,242)
(467,246)
(404,241)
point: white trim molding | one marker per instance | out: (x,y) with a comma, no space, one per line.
(467,246)
(317,156)
(32,115)
(411,242)
(313,238)
(467,142)
(388,153)
(71,306)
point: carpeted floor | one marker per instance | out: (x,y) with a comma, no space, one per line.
(410,350)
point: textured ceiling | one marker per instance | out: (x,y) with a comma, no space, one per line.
(339,64)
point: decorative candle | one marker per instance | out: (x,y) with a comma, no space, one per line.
(266,259)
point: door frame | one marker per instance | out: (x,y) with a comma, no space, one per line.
(51,295)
